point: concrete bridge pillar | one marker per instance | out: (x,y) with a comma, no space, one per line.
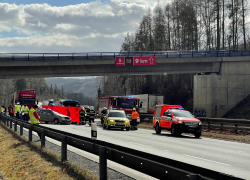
(215,94)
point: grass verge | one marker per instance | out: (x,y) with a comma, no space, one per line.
(21,159)
(241,136)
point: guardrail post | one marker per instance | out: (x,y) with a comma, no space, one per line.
(93,131)
(10,123)
(236,128)
(21,129)
(179,54)
(167,54)
(64,149)
(192,54)
(221,128)
(208,126)
(43,56)
(15,126)
(72,55)
(43,138)
(58,56)
(101,55)
(194,177)
(28,57)
(30,132)
(103,163)
(87,56)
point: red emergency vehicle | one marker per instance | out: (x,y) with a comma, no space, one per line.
(24,97)
(126,103)
(175,119)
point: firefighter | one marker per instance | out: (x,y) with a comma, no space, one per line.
(25,111)
(11,111)
(91,115)
(135,115)
(82,115)
(87,111)
(34,117)
(17,110)
(104,112)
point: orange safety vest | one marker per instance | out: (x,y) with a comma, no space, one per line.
(11,110)
(135,115)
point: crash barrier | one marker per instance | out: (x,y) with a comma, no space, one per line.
(72,112)
(224,124)
(113,55)
(152,165)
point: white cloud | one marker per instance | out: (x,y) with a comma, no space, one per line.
(93,26)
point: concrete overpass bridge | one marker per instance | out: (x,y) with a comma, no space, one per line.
(221,81)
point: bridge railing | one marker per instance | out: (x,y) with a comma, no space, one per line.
(113,55)
(153,165)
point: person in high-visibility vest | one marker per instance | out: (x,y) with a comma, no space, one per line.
(104,112)
(91,115)
(11,110)
(34,117)
(2,109)
(82,115)
(134,117)
(17,110)
(87,111)
(25,111)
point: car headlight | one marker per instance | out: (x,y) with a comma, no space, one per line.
(199,123)
(127,120)
(111,120)
(180,122)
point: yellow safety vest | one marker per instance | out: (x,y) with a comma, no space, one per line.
(17,108)
(25,110)
(33,119)
(2,109)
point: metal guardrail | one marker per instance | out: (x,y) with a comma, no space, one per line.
(223,123)
(113,55)
(155,166)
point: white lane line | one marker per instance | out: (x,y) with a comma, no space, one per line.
(140,144)
(105,136)
(206,160)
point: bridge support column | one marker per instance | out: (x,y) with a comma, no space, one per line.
(216,94)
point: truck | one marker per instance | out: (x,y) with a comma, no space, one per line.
(126,103)
(24,97)
(149,102)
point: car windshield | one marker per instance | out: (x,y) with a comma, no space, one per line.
(182,114)
(125,103)
(27,101)
(117,114)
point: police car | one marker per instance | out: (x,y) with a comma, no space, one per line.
(175,119)
(116,119)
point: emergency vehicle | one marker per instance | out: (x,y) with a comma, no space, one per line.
(116,119)
(24,97)
(175,119)
(126,103)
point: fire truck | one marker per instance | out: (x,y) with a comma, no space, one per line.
(24,97)
(126,103)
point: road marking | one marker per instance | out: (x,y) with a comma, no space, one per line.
(140,144)
(206,160)
(105,136)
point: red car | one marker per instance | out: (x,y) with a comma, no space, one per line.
(176,120)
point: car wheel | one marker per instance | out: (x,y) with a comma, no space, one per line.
(127,128)
(56,121)
(157,129)
(174,131)
(46,122)
(197,135)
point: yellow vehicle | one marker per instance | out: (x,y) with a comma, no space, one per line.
(116,119)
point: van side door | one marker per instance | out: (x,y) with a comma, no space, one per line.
(169,119)
(164,120)
(157,115)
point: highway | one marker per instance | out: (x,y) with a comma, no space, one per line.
(223,156)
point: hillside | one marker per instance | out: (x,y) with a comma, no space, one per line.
(88,86)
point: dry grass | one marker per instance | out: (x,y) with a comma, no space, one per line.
(21,159)
(217,134)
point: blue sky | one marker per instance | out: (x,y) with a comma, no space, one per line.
(51,2)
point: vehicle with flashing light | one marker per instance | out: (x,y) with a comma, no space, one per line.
(24,97)
(116,119)
(126,103)
(175,119)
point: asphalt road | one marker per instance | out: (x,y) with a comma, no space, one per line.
(219,155)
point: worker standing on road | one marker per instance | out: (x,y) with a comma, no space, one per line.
(25,111)
(135,115)
(2,109)
(34,118)
(17,110)
(104,112)
(11,111)
(87,111)
(91,115)
(82,114)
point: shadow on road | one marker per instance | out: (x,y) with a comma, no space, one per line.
(177,137)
